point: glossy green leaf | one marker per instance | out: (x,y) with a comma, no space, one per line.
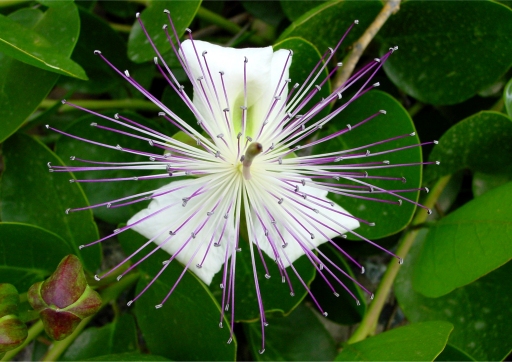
(187,326)
(98,192)
(96,34)
(299,336)
(483,182)
(507,97)
(480,142)
(29,254)
(294,9)
(325,24)
(451,353)
(30,47)
(447,52)
(129,357)
(153,17)
(31,194)
(275,294)
(305,58)
(389,218)
(119,336)
(467,244)
(415,342)
(480,311)
(342,309)
(17,101)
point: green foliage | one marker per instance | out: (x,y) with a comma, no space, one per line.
(450,79)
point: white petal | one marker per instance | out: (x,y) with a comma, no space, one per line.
(172,218)
(264,70)
(293,249)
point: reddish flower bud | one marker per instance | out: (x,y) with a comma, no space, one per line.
(64,299)
(12,330)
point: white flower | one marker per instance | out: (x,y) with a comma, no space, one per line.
(245,169)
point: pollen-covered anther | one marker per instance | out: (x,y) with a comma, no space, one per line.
(253,150)
(97,52)
(382,111)
(376,84)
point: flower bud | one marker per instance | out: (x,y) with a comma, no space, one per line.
(64,299)
(12,330)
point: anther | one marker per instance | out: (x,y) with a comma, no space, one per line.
(155,59)
(221,286)
(349,127)
(280,201)
(164,26)
(436,142)
(382,111)
(400,261)
(217,154)
(246,60)
(427,190)
(80,247)
(362,270)
(371,224)
(292,294)
(172,233)
(97,278)
(93,124)
(210,213)
(204,53)
(438,162)
(220,135)
(119,277)
(429,211)
(280,160)
(356,21)
(239,135)
(48,126)
(312,236)
(67,211)
(412,134)
(199,266)
(372,296)
(283,280)
(220,325)
(226,216)
(127,73)
(261,351)
(165,262)
(267,276)
(158,306)
(321,267)
(166,11)
(399,202)
(386,162)
(116,231)
(266,232)
(377,60)
(130,302)
(318,87)
(193,234)
(161,114)
(324,314)
(404,180)
(339,64)
(376,84)
(336,294)
(97,52)
(137,15)
(188,30)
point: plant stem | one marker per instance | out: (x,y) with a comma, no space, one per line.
(369,322)
(107,295)
(33,332)
(415,108)
(227,25)
(93,104)
(350,61)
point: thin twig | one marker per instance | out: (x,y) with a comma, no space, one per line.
(350,61)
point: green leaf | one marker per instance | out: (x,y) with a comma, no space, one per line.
(187,326)
(31,194)
(480,142)
(480,311)
(483,182)
(299,336)
(98,192)
(129,357)
(325,24)
(451,353)
(389,218)
(117,337)
(17,100)
(467,244)
(276,295)
(415,342)
(182,13)
(305,58)
(294,9)
(507,97)
(29,254)
(31,48)
(447,52)
(342,309)
(96,34)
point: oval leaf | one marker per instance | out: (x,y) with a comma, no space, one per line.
(507,97)
(480,142)
(467,244)
(190,315)
(389,218)
(324,25)
(415,342)
(29,254)
(480,311)
(448,52)
(31,194)
(153,17)
(17,100)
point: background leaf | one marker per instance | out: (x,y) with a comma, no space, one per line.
(182,12)
(447,52)
(190,315)
(480,142)
(24,86)
(415,342)
(480,311)
(129,357)
(117,337)
(507,97)
(31,194)
(467,244)
(42,252)
(291,338)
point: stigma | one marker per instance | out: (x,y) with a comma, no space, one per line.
(253,150)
